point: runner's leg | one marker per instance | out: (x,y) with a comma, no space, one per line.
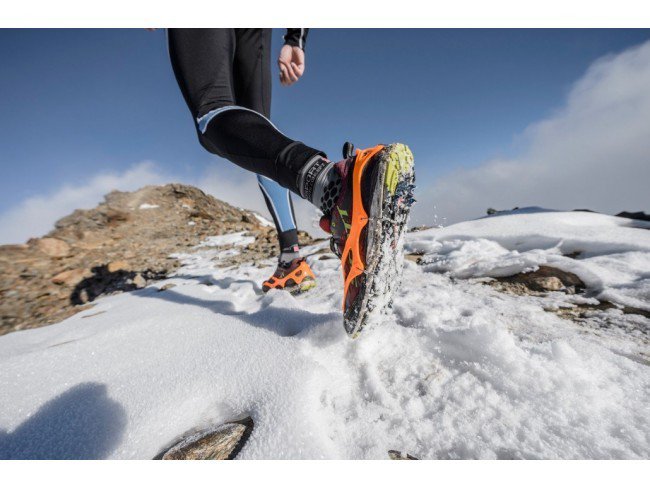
(252,88)
(202,60)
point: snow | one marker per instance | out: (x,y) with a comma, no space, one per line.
(240,238)
(262,220)
(148,206)
(613,260)
(457,370)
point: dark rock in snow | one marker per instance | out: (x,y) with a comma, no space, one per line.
(544,279)
(638,216)
(396,455)
(222,442)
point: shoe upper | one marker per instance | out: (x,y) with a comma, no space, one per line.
(339,222)
(288,275)
(366,222)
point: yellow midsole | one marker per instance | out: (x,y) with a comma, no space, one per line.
(400,161)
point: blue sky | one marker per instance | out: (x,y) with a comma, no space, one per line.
(75,103)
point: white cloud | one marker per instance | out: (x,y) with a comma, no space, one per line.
(36,215)
(593,153)
(238,187)
(231,184)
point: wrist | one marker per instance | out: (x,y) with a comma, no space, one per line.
(294,44)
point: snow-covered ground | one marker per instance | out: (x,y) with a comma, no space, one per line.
(457,370)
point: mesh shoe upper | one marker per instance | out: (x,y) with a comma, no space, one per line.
(289,275)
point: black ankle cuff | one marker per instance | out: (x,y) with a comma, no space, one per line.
(309,175)
(288,239)
(290,162)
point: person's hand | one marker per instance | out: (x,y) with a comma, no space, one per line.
(291,63)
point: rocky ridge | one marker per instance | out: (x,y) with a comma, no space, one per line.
(122,244)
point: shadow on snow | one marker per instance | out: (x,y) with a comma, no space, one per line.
(81,423)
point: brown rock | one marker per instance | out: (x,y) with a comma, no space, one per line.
(187,202)
(114,266)
(90,240)
(70,277)
(548,283)
(53,247)
(15,247)
(83,296)
(116,216)
(89,245)
(139,281)
(544,279)
(415,257)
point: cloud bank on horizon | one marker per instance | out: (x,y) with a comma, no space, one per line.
(36,215)
(594,152)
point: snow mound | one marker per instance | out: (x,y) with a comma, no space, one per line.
(457,370)
(610,254)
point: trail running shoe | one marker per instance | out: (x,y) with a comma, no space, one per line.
(367,224)
(295,277)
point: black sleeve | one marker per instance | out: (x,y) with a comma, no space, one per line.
(296,37)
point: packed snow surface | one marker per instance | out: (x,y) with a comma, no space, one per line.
(456,370)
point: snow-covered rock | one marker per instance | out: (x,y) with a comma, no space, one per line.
(613,253)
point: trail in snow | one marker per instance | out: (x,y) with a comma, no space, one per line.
(458,370)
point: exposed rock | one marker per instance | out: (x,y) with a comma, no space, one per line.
(415,257)
(544,279)
(548,283)
(551,279)
(217,443)
(117,246)
(415,229)
(114,266)
(139,281)
(70,277)
(91,240)
(397,455)
(638,216)
(53,247)
(573,254)
(582,311)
